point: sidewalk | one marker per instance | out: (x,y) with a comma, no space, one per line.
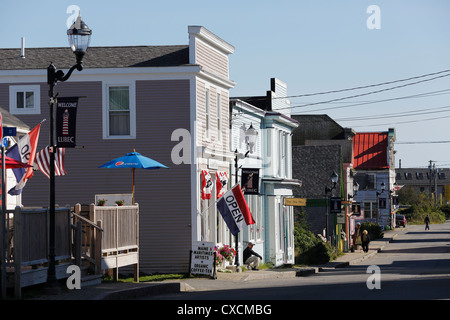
(117,291)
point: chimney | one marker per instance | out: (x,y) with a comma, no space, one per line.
(22,51)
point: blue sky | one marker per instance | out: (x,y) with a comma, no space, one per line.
(313,46)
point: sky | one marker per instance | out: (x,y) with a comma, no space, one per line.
(397,50)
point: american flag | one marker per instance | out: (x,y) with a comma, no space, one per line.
(43,161)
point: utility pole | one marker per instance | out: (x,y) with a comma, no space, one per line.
(433,180)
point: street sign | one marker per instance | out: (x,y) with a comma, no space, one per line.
(340,218)
(335,205)
(356,209)
(297,202)
(9,131)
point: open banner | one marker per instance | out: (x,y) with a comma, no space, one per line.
(234,210)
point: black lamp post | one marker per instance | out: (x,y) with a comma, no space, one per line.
(334,179)
(79,37)
(250,137)
(378,199)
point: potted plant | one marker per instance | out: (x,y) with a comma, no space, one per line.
(224,256)
(101,202)
(120,202)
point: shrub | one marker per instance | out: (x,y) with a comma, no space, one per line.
(309,248)
(373,229)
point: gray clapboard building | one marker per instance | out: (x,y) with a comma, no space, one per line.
(169,103)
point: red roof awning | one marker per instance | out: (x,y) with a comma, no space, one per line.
(370,151)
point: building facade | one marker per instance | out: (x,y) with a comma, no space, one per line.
(320,147)
(276,172)
(374,162)
(169,103)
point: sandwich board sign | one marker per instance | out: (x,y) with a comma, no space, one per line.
(202,258)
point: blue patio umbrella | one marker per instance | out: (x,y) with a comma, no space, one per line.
(133,160)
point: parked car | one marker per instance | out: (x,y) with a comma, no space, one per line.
(400,221)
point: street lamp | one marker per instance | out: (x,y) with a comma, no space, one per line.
(250,136)
(79,38)
(334,179)
(355,190)
(382,186)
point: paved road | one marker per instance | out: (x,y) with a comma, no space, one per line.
(416,265)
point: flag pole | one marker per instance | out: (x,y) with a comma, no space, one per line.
(203,212)
(3,226)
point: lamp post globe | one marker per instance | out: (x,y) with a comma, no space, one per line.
(79,38)
(251,134)
(355,187)
(334,177)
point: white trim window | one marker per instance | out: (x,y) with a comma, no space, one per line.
(25,99)
(120,113)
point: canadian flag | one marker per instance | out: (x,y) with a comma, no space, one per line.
(221,183)
(207,185)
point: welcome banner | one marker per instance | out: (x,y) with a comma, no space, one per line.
(66,122)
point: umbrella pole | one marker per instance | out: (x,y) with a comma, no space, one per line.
(132,197)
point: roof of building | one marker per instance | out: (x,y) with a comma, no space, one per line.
(422,176)
(96,57)
(318,127)
(370,151)
(10,120)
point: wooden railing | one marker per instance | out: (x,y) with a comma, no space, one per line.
(107,237)
(87,240)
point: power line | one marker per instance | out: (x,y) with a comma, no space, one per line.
(420,95)
(364,94)
(401,122)
(421,142)
(364,87)
(411,113)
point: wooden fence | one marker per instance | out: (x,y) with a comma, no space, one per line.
(27,246)
(107,237)
(120,240)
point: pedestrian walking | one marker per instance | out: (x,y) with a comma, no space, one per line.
(427,222)
(365,239)
(356,237)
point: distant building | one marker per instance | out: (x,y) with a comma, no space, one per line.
(320,147)
(375,173)
(434,181)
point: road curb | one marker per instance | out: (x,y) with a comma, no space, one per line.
(151,289)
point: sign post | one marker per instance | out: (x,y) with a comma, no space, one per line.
(3,221)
